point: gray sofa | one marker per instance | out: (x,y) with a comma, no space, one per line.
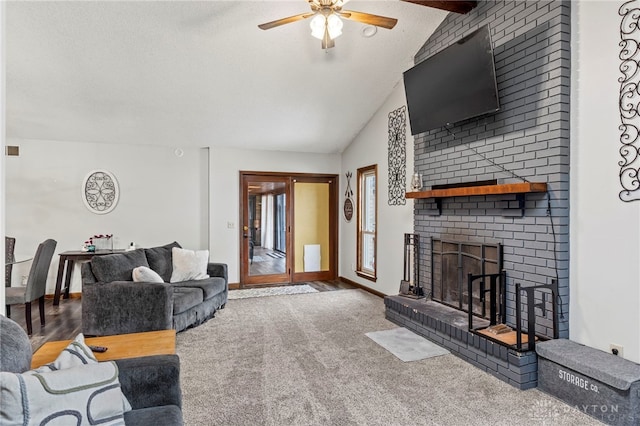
(151,384)
(112,303)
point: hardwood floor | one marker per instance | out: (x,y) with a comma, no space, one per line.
(63,322)
(264,264)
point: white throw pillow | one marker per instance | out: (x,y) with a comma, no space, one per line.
(189,264)
(83,395)
(142,274)
(77,353)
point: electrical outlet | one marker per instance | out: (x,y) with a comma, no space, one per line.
(231,225)
(24,280)
(617,350)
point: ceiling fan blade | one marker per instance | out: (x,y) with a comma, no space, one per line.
(283,21)
(368,18)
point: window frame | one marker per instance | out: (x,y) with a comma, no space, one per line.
(361,271)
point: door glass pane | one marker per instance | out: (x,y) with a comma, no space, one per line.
(281,223)
(311,245)
(267,228)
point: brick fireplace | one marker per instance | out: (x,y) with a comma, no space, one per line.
(527,140)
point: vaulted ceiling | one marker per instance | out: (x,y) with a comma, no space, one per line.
(182,73)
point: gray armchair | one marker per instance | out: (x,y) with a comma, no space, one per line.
(151,384)
(36,284)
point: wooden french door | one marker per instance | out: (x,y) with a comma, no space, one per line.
(289,227)
(265,229)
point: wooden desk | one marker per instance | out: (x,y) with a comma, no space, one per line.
(67,261)
(119,346)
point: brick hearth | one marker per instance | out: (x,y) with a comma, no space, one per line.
(449,328)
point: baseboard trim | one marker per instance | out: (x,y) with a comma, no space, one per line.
(234,286)
(363,287)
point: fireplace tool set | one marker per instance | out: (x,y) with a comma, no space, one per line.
(408,287)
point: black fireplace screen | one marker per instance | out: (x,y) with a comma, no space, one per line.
(451,262)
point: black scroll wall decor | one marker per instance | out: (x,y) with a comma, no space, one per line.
(630,101)
(397,157)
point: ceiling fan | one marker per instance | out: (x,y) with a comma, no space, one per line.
(325,22)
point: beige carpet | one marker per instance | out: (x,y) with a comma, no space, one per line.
(304,359)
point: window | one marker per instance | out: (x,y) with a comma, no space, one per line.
(367,229)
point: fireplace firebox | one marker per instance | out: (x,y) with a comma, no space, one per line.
(452,262)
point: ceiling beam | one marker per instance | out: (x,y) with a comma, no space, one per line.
(457,6)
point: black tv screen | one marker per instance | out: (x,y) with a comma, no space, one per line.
(455,84)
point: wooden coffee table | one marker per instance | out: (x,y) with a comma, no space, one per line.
(119,346)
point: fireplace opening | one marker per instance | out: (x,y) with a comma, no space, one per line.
(469,277)
(452,262)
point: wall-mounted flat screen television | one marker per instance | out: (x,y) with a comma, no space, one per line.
(455,84)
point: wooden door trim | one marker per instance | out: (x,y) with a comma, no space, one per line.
(332,179)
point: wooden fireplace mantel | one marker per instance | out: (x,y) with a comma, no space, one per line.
(520,189)
(465,191)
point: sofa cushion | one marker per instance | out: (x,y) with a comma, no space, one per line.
(117,267)
(160,259)
(86,394)
(189,264)
(185,298)
(210,286)
(142,274)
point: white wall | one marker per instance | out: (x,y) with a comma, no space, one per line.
(162,198)
(2,139)
(605,232)
(368,148)
(226,165)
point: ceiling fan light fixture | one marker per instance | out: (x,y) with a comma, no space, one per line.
(334,25)
(317,25)
(326,21)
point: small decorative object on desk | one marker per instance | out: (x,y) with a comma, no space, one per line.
(102,242)
(88,246)
(416,182)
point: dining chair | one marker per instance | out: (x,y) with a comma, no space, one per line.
(9,258)
(36,284)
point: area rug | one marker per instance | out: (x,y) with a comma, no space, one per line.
(276,255)
(305,360)
(406,345)
(271,291)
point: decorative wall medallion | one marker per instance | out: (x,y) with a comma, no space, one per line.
(100,191)
(397,157)
(348,203)
(630,101)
